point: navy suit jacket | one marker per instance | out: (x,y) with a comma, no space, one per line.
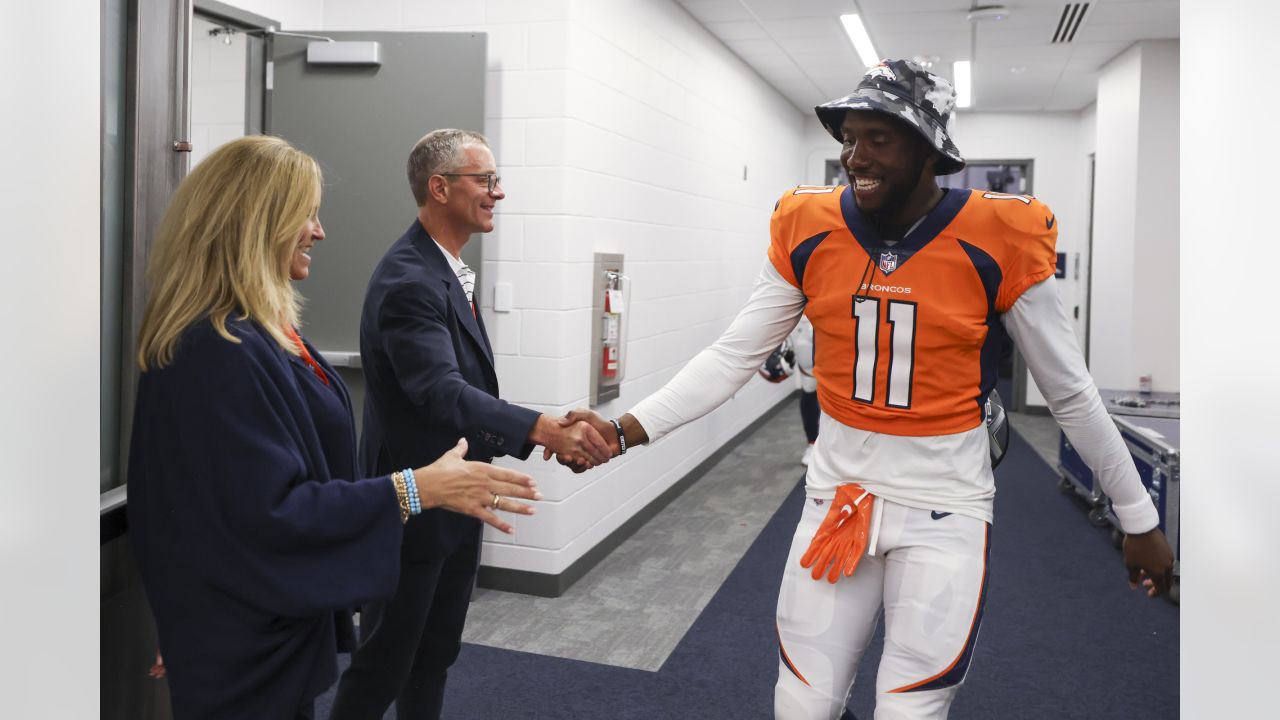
(429,380)
(249,524)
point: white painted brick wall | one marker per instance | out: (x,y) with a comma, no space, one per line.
(291,14)
(619,126)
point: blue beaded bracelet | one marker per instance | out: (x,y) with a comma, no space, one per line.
(411,487)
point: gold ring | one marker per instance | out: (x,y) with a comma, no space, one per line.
(497,500)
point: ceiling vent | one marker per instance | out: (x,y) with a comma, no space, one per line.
(1069,23)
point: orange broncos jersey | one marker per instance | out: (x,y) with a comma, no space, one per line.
(907,337)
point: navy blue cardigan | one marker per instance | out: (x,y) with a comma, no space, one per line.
(249,524)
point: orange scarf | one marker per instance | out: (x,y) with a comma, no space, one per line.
(306,356)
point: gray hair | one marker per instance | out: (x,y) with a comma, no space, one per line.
(438,152)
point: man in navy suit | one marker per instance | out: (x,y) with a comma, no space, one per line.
(430,379)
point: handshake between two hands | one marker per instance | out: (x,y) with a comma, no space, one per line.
(580,440)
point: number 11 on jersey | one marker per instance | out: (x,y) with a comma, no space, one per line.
(901,317)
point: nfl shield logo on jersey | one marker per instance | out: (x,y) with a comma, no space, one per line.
(888,262)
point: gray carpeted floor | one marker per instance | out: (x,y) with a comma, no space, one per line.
(1040,432)
(661,577)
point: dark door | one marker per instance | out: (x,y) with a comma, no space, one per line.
(360,122)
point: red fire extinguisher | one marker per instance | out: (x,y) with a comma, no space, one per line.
(610,369)
(610,332)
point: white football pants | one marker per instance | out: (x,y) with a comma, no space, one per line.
(928,570)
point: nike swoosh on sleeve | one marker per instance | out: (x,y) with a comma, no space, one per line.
(1048,222)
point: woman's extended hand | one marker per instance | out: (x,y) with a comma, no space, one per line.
(474,488)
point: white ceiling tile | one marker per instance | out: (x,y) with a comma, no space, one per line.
(1160,29)
(1139,11)
(752,49)
(1042,20)
(806,27)
(716,10)
(1101,50)
(1087,59)
(1031,30)
(1023,55)
(1074,92)
(737,30)
(874,7)
(819,59)
(839,50)
(916,22)
(799,48)
(946,47)
(778,9)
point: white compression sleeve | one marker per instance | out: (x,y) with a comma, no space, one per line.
(716,373)
(1038,324)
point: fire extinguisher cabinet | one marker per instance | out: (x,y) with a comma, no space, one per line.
(610,296)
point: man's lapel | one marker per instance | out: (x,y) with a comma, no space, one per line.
(438,267)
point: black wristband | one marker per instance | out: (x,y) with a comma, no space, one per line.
(622,437)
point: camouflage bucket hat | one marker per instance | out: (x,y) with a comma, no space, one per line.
(909,92)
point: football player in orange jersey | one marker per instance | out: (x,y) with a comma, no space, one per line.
(908,287)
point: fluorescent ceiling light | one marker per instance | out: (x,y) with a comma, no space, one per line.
(861,41)
(964,83)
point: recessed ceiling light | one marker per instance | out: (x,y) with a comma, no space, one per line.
(1018,69)
(861,40)
(988,12)
(964,85)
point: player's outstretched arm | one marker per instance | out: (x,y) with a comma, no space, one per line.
(1039,326)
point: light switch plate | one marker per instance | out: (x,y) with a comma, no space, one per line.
(502,297)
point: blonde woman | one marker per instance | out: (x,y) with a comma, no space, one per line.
(251,527)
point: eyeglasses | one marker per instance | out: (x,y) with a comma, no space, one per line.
(490,178)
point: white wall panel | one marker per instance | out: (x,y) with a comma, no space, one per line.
(49,309)
(365,15)
(504,328)
(291,14)
(523,11)
(556,333)
(441,13)
(1115,219)
(1155,336)
(505,243)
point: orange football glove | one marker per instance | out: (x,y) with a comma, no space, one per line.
(841,539)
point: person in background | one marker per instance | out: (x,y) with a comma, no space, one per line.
(430,377)
(802,343)
(253,529)
(795,355)
(908,286)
